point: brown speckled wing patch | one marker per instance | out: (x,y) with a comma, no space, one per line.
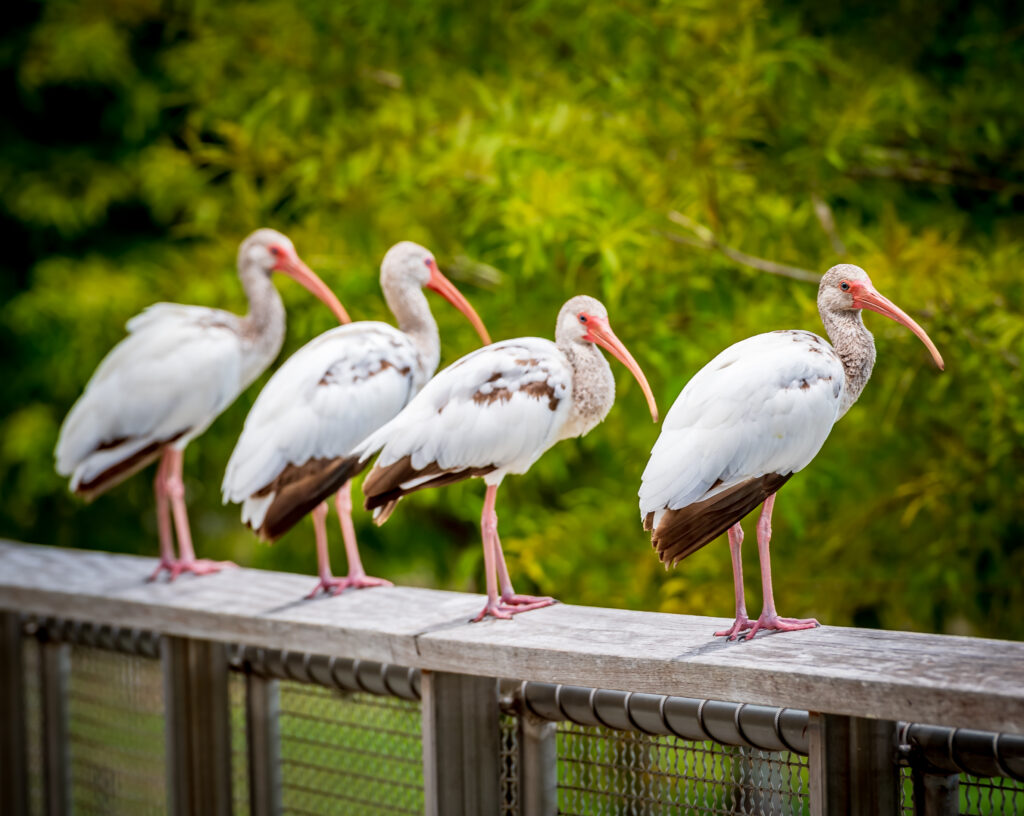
(539,390)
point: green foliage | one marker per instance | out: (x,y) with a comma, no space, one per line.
(538,148)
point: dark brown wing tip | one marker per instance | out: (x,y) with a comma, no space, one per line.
(682,532)
(383,485)
(383,511)
(261,533)
(304,487)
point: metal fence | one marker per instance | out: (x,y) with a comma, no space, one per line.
(348,752)
(315,735)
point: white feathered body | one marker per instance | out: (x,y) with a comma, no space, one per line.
(324,400)
(763,406)
(165,383)
(497,409)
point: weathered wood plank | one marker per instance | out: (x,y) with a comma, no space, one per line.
(942,680)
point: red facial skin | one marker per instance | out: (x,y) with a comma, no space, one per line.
(865,296)
(288,262)
(599,332)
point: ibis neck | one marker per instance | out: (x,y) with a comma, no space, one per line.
(409,305)
(593,387)
(263,327)
(855,347)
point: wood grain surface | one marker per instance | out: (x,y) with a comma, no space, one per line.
(936,679)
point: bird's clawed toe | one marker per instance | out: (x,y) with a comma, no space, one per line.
(505,609)
(163,565)
(494,610)
(198,566)
(335,586)
(777,624)
(740,625)
(328,586)
(512,599)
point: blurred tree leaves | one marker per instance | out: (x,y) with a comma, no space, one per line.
(538,148)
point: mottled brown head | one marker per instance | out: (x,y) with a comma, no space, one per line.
(584,319)
(847,288)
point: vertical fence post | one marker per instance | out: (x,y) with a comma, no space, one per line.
(198,726)
(262,709)
(538,765)
(853,767)
(13,745)
(936,794)
(54,669)
(461,744)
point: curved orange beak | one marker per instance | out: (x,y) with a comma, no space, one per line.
(446,289)
(294,268)
(600,332)
(866,296)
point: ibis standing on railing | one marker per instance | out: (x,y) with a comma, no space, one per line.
(165,383)
(751,418)
(494,412)
(296,447)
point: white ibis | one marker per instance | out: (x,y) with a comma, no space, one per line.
(296,447)
(494,412)
(165,383)
(755,415)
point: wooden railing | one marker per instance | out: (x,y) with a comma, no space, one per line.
(850,699)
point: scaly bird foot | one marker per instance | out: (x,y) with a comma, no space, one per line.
(334,586)
(741,624)
(504,610)
(199,566)
(512,599)
(778,624)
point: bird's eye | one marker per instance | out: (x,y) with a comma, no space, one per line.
(429,262)
(845,286)
(583,318)
(275,251)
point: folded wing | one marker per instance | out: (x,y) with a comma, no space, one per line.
(493,412)
(296,447)
(177,369)
(753,416)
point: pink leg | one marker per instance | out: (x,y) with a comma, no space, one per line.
(163,518)
(769,617)
(488,527)
(328,583)
(508,595)
(493,562)
(742,622)
(174,487)
(357,577)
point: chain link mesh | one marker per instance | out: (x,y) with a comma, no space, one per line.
(239,745)
(906,783)
(344,753)
(116,734)
(509,748)
(988,797)
(979,796)
(602,771)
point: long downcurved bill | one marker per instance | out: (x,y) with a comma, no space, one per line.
(871,298)
(446,289)
(296,269)
(601,333)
